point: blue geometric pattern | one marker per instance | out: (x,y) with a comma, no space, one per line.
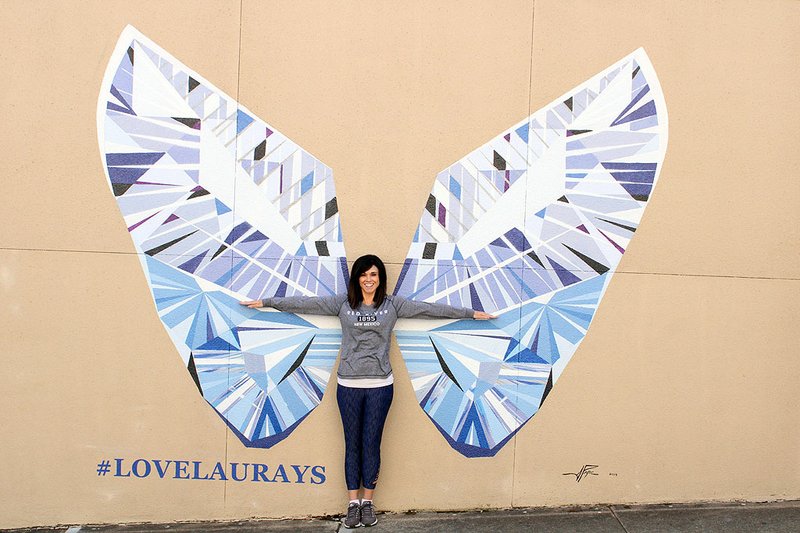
(262,372)
(222,207)
(530,226)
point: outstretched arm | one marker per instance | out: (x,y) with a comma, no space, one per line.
(414,309)
(312,305)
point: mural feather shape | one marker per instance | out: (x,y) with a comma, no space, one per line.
(531,226)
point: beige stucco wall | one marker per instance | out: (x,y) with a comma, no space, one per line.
(685,388)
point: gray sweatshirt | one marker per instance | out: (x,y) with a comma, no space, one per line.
(366,331)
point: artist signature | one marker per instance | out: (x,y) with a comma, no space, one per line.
(586,470)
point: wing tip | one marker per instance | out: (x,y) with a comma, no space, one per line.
(644,62)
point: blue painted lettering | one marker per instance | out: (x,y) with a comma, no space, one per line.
(196,473)
(218,471)
(137,472)
(180,470)
(299,473)
(260,471)
(318,472)
(233,471)
(280,471)
(161,469)
(118,472)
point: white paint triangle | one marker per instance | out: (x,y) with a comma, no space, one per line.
(153,96)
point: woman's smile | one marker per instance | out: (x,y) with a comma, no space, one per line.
(369,281)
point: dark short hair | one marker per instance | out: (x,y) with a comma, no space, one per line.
(361,265)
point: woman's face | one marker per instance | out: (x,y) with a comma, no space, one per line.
(369,281)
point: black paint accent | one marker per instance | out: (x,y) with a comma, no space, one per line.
(499,162)
(198,193)
(190,122)
(568,103)
(430,205)
(298,362)
(193,83)
(130,54)
(640,197)
(563,199)
(331,208)
(596,266)
(623,226)
(547,388)
(219,251)
(444,366)
(120,188)
(635,72)
(535,258)
(260,151)
(158,249)
(429,252)
(322,248)
(193,372)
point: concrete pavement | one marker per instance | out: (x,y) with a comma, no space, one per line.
(717,517)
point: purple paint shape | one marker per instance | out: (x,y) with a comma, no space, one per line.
(237,232)
(114,107)
(127,175)
(517,238)
(133,158)
(191,265)
(617,246)
(255,236)
(629,166)
(646,110)
(635,100)
(566,277)
(638,189)
(118,95)
(131,228)
(159,184)
(498,242)
(635,177)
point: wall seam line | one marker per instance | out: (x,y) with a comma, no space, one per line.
(392,263)
(527,164)
(230,281)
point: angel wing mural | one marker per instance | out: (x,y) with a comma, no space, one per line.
(222,207)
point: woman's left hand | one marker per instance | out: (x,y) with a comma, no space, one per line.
(480,315)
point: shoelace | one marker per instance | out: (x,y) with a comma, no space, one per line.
(352,512)
(367,511)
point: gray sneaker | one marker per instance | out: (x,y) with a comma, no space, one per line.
(368,517)
(353,517)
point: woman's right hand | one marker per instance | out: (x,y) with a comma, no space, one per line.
(252,304)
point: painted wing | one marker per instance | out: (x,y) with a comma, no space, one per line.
(223,207)
(530,226)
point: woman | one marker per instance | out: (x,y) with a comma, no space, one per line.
(364,377)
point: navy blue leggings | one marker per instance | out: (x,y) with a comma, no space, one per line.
(363,416)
